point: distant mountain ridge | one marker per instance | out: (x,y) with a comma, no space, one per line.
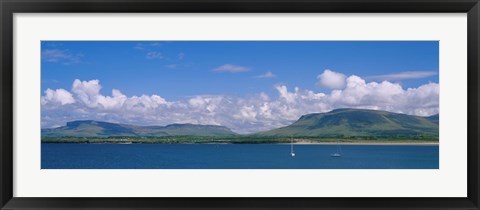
(434,118)
(91,128)
(358,123)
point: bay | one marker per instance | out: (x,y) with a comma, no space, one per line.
(236,156)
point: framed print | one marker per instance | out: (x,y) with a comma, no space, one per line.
(239,105)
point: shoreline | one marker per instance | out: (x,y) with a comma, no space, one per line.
(368,143)
(295,143)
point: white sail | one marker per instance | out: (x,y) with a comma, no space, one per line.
(339,151)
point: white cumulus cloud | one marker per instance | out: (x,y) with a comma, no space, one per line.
(87,91)
(246,114)
(58,96)
(331,79)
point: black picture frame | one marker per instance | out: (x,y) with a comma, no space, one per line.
(10,7)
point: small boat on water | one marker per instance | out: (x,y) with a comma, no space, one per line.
(338,153)
(292,153)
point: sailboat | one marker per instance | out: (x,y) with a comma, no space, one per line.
(292,153)
(339,151)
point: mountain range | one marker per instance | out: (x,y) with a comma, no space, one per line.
(91,128)
(336,123)
(358,123)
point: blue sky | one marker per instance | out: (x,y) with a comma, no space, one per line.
(181,70)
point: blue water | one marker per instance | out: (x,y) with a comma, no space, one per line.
(236,156)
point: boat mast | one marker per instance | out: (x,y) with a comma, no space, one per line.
(291,148)
(291,145)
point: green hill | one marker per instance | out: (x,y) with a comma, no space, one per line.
(90,128)
(340,123)
(359,123)
(434,118)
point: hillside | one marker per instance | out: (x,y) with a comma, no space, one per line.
(340,123)
(434,118)
(90,128)
(359,123)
